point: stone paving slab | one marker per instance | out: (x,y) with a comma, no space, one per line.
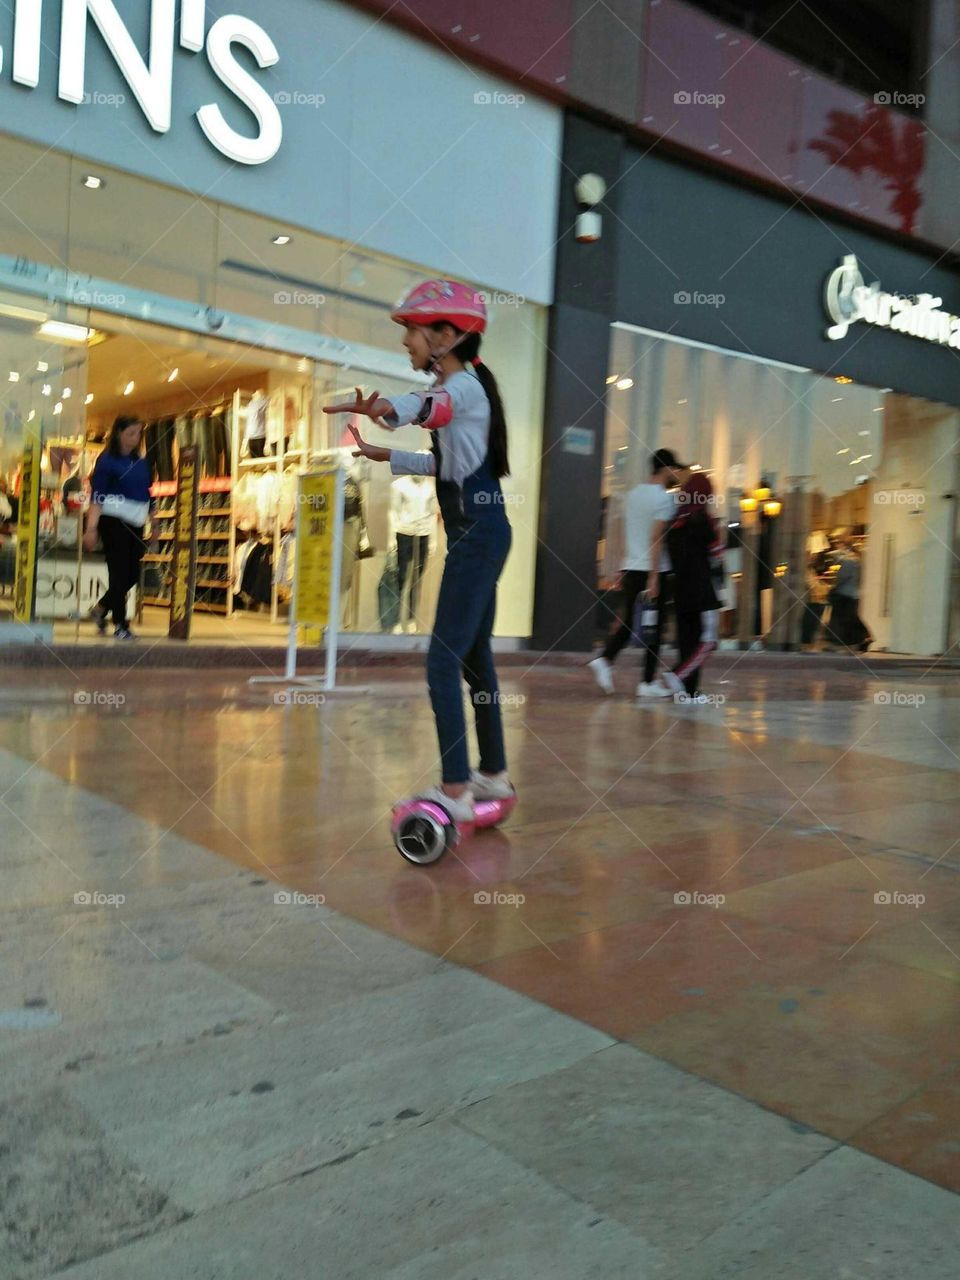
(436,1204)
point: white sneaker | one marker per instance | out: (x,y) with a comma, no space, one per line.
(652,690)
(460,810)
(672,683)
(496,786)
(603,673)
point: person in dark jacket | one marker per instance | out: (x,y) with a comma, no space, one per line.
(695,551)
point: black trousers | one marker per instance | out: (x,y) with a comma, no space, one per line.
(124,547)
(412,552)
(634,584)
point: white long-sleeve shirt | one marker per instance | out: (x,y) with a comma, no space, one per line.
(463,441)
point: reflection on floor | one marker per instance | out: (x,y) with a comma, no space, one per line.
(763,891)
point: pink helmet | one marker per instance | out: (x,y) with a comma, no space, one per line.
(435,301)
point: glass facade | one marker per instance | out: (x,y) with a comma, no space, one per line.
(806,469)
(150,250)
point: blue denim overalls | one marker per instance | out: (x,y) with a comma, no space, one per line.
(478,541)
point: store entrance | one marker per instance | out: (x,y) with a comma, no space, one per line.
(834,499)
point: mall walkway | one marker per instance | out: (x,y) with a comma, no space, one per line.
(717,1038)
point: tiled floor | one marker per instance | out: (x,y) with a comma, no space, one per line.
(764,894)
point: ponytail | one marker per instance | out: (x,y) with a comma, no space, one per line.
(468,350)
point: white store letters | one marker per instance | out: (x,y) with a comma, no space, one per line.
(151,79)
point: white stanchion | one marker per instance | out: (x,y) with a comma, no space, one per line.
(307,509)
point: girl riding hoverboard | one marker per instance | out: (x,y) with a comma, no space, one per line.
(462,410)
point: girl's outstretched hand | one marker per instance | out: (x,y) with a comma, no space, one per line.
(371,407)
(371,451)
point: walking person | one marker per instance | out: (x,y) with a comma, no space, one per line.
(443,323)
(846,628)
(695,550)
(649,510)
(119,510)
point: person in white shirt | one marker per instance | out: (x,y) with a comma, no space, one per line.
(650,510)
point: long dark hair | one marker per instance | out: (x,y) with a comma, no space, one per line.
(113,440)
(468,350)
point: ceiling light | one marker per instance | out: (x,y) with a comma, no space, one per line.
(624,384)
(879,409)
(31,415)
(58,408)
(174,375)
(92,182)
(22,313)
(613,377)
(46,389)
(281,239)
(836,399)
(866,456)
(14,376)
(42,366)
(681,402)
(89,399)
(66,393)
(844,382)
(129,388)
(841,452)
(66,332)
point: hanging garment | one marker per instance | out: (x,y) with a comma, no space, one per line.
(388,593)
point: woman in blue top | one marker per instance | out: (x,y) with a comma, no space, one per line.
(119,509)
(464,415)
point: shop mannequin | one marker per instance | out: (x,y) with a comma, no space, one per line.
(354,529)
(256,432)
(413,523)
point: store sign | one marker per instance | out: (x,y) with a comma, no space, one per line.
(184,561)
(28,525)
(848,299)
(151,81)
(315,537)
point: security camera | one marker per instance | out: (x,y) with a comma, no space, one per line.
(215,319)
(589,227)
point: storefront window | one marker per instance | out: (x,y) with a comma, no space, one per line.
(157,269)
(808,471)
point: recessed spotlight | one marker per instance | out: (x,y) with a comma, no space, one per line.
(624,384)
(129,388)
(66,393)
(841,452)
(92,182)
(14,376)
(89,399)
(174,375)
(42,366)
(613,377)
(31,415)
(46,389)
(58,409)
(281,239)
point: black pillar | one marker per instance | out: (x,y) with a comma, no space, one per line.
(574,408)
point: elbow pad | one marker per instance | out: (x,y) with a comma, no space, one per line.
(437,409)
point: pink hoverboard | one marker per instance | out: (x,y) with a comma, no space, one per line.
(423,831)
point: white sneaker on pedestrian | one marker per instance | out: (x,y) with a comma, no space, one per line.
(652,690)
(672,684)
(603,673)
(460,809)
(491,786)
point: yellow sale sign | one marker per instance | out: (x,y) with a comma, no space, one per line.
(315,547)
